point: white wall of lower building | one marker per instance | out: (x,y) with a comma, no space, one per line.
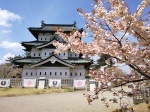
(54,72)
(78,72)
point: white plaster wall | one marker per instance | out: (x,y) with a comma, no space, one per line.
(27,70)
(63,55)
(72,54)
(45,37)
(35,52)
(45,52)
(45,72)
(78,70)
(64,70)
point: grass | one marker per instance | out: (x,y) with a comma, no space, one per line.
(142,107)
(8,92)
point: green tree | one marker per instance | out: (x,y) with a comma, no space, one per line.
(102,61)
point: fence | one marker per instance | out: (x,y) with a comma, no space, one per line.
(16,82)
(65,83)
(140,94)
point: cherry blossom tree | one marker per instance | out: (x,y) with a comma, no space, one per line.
(105,25)
(118,32)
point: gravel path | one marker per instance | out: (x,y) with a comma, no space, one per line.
(55,102)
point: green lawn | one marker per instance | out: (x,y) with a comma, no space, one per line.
(29,91)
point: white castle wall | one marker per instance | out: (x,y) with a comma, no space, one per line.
(45,37)
(45,52)
(35,52)
(54,72)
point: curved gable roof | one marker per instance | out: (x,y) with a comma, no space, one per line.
(53,59)
(59,39)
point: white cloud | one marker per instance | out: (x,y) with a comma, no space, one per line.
(5,57)
(7,16)
(6,31)
(14,46)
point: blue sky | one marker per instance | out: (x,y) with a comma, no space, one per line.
(17,15)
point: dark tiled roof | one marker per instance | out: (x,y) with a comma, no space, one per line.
(79,61)
(29,60)
(54,27)
(33,43)
(46,28)
(34,60)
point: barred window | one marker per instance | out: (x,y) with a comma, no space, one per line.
(75,74)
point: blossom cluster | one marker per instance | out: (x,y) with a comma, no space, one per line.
(117,32)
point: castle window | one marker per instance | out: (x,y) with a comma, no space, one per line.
(75,55)
(41,38)
(34,54)
(80,74)
(39,54)
(60,73)
(75,74)
(55,73)
(50,73)
(26,73)
(70,74)
(40,73)
(59,54)
(45,38)
(31,73)
(45,53)
(65,73)
(64,54)
(45,73)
